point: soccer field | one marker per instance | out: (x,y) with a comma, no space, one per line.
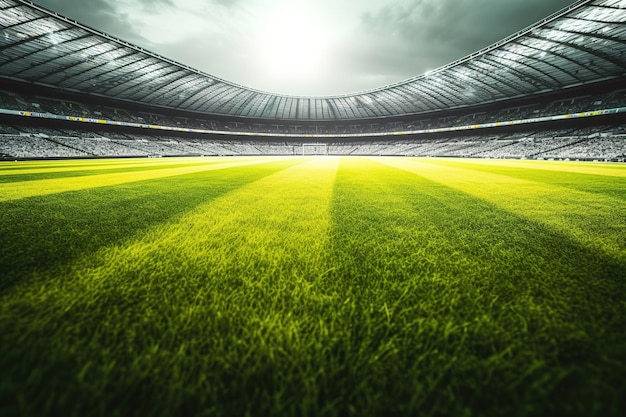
(312,286)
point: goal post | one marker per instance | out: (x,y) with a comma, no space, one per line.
(314,149)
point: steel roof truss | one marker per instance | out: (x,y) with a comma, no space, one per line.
(421,92)
(176,83)
(100,65)
(560,68)
(218,89)
(565,57)
(521,74)
(138,85)
(461,89)
(39,48)
(434,84)
(128,73)
(237,101)
(219,100)
(599,54)
(487,88)
(401,104)
(65,67)
(500,79)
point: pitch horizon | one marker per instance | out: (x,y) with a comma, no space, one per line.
(321,286)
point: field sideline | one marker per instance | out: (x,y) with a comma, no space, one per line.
(312,286)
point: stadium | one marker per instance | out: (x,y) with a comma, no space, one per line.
(177,244)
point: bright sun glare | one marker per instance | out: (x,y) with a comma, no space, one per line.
(291,45)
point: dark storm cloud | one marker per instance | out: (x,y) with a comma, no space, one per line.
(372,42)
(107,15)
(102,15)
(421,35)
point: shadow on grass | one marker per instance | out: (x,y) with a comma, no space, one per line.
(488,311)
(433,303)
(42,233)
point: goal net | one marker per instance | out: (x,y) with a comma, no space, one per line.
(314,149)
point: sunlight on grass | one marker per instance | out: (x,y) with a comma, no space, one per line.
(312,287)
(595,168)
(597,220)
(16,190)
(278,221)
(28,167)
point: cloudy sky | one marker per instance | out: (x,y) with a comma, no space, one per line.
(310,47)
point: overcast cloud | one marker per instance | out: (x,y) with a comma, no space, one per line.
(310,47)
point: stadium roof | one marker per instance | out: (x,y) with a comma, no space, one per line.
(581,44)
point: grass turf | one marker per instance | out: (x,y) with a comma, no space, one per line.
(312,286)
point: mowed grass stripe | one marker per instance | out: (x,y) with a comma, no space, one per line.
(9,169)
(596,220)
(17,190)
(294,288)
(593,168)
(449,305)
(210,311)
(18,166)
(280,220)
(110,169)
(591,180)
(41,234)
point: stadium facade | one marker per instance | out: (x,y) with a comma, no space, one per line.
(575,56)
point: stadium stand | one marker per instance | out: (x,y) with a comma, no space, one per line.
(564,98)
(576,144)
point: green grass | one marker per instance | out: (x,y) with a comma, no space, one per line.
(312,287)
